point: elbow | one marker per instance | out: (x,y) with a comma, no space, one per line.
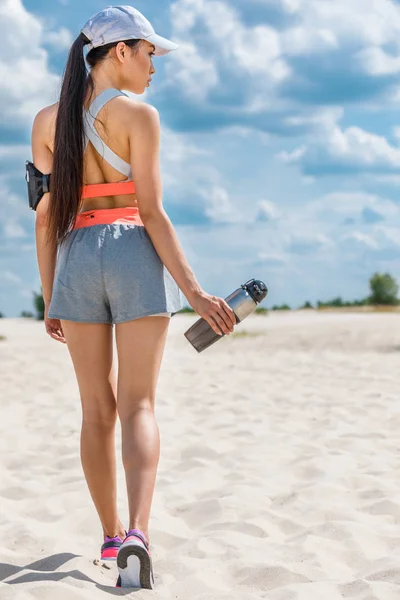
(149,216)
(41,221)
(42,211)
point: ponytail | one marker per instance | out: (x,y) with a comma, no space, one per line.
(67,172)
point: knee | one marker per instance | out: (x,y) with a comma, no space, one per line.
(97,413)
(129,410)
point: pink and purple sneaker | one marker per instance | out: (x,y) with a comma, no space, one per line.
(110,547)
(134,562)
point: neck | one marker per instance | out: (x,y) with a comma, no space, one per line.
(102,80)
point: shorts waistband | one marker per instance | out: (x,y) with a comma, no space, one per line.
(107,216)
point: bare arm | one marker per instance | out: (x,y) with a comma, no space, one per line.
(43,160)
(46,253)
(144,147)
(144,139)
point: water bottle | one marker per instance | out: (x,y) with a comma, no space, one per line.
(242,301)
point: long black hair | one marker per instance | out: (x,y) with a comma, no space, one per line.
(67,173)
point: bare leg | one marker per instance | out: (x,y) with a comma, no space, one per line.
(140,345)
(90,347)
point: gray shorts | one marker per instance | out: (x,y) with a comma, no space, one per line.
(111,273)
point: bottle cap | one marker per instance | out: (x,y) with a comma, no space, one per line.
(256,288)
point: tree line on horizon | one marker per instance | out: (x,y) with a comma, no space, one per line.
(383,292)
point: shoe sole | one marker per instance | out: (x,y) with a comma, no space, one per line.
(134,566)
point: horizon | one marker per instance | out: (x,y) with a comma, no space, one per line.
(334,302)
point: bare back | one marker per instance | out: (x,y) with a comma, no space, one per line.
(114,123)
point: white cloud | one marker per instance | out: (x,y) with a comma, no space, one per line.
(13,229)
(276,72)
(27,82)
(321,24)
(346,150)
(218,206)
(16,213)
(362,147)
(291,6)
(361,239)
(294,254)
(342,218)
(396,133)
(312,241)
(267,211)
(58,40)
(16,151)
(376,61)
(294,156)
(325,117)
(351,204)
(267,256)
(10,277)
(252,51)
(302,40)
(184,164)
(380,22)
(251,48)
(326,228)
(195,74)
(388,235)
(191,180)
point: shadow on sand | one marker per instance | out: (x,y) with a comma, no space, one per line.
(44,570)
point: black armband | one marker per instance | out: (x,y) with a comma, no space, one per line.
(38,184)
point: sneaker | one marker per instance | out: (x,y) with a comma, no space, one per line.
(110,547)
(134,562)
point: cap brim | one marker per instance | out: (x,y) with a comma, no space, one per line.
(163,46)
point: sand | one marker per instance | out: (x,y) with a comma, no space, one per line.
(279,475)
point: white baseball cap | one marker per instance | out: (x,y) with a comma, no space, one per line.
(118,23)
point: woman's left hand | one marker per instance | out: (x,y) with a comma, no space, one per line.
(53,328)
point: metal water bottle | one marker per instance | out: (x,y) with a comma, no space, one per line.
(242,301)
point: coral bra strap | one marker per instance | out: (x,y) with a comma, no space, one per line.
(108,189)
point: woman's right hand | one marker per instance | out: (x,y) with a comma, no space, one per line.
(215,310)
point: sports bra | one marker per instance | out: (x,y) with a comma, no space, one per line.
(105,189)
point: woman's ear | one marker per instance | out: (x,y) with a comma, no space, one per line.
(120,50)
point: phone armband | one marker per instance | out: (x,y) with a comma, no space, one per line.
(38,184)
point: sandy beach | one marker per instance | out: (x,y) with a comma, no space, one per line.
(279,475)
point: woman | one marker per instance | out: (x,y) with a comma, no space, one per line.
(108,254)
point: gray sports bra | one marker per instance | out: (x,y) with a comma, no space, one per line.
(91,134)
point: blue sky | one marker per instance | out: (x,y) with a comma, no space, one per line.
(280,141)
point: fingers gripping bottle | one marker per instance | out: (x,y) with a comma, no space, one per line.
(242,301)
